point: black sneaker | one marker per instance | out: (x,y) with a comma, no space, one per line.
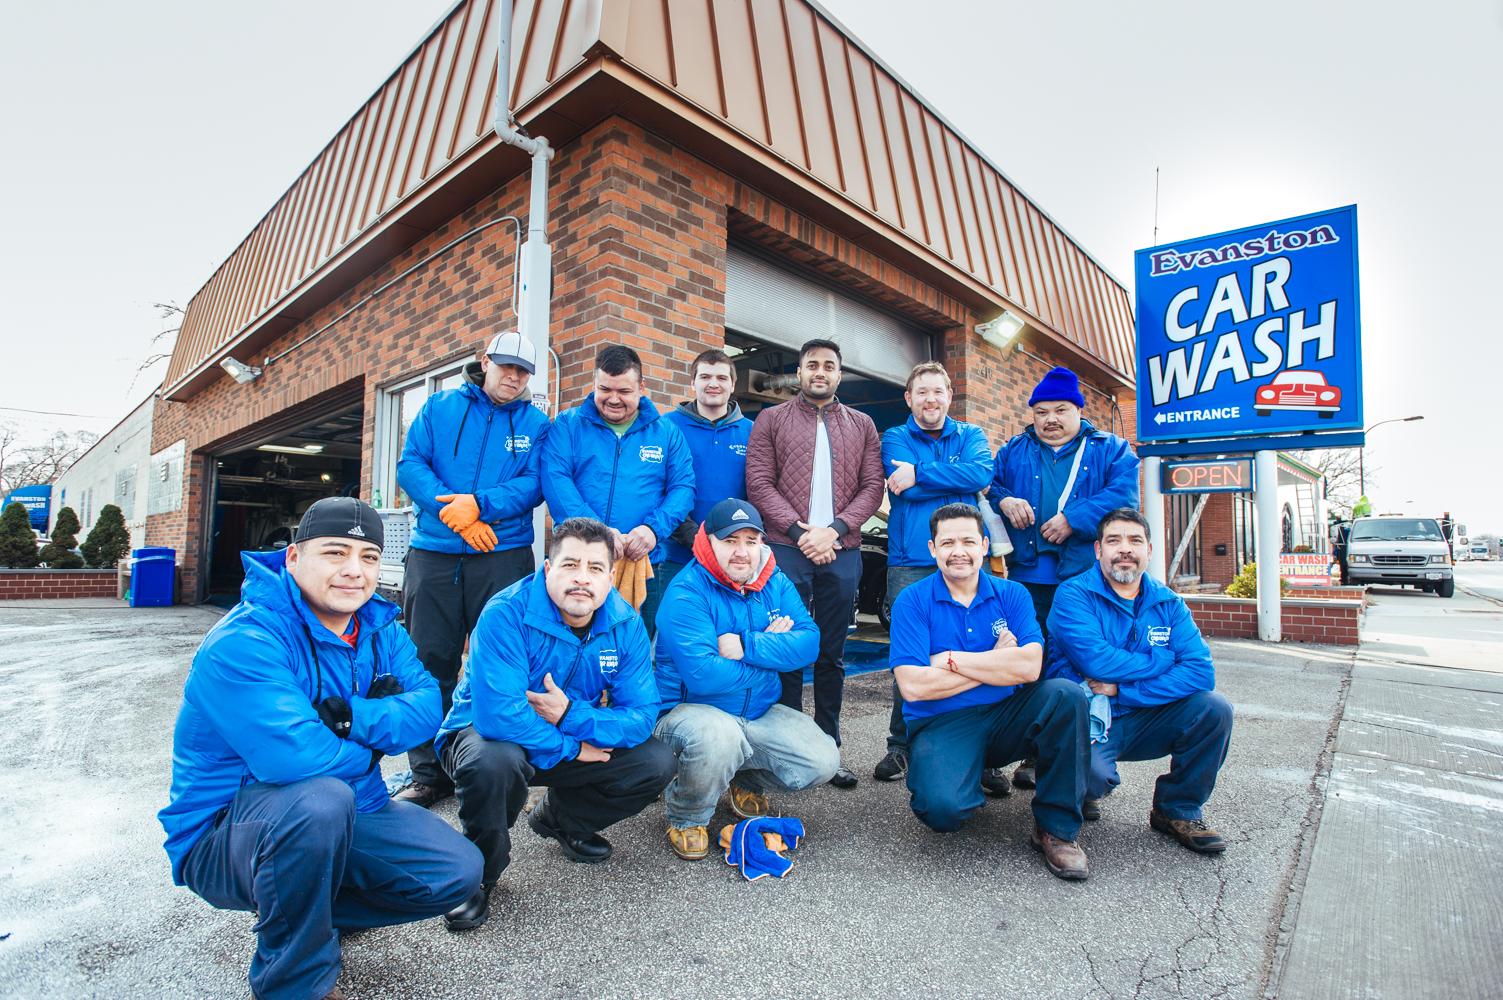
(1022,775)
(994,782)
(843,778)
(472,912)
(892,767)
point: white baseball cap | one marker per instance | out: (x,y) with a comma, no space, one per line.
(511,348)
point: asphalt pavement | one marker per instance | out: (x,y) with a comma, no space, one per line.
(875,904)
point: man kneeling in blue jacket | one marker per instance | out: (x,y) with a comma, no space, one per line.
(278,805)
(1132,639)
(730,624)
(558,692)
(965,651)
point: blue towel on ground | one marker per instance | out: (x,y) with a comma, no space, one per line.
(750,853)
(1101,714)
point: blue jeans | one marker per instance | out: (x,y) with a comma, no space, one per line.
(899,579)
(783,750)
(655,586)
(310,865)
(1047,721)
(1194,733)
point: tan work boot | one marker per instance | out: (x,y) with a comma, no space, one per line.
(748,804)
(689,842)
(1062,857)
(1192,833)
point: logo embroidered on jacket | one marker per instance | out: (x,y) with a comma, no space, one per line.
(1158,635)
(608,662)
(650,453)
(999,626)
(739,449)
(519,442)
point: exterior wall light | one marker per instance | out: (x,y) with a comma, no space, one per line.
(239,370)
(1002,331)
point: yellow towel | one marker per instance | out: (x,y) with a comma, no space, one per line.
(631,580)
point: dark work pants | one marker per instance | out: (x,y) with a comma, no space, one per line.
(309,865)
(1047,721)
(1043,601)
(1194,733)
(829,593)
(491,778)
(899,579)
(442,596)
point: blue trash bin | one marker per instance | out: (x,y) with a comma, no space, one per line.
(151,577)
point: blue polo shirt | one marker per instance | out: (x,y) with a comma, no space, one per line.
(927,620)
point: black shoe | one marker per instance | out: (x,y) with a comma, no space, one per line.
(1091,809)
(589,849)
(892,767)
(843,778)
(472,912)
(994,782)
(1022,775)
(423,795)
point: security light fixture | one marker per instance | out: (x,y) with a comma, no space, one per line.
(1002,331)
(239,370)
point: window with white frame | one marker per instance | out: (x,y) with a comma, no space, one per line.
(396,407)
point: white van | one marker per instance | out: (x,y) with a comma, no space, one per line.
(1400,551)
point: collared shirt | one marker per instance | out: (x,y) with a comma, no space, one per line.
(927,620)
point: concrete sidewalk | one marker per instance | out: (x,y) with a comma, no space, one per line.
(876,905)
(1403,896)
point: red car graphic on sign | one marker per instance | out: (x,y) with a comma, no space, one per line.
(1298,390)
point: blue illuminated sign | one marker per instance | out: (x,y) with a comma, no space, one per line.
(36,499)
(1253,332)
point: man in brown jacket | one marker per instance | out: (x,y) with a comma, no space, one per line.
(814,470)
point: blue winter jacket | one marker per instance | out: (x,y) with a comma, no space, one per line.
(462,442)
(698,607)
(520,637)
(1150,648)
(1108,479)
(719,453)
(248,715)
(645,476)
(952,468)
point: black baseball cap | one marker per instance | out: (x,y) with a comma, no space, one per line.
(341,517)
(730,516)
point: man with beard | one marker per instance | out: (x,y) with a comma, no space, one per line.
(716,433)
(931,461)
(1132,639)
(1052,484)
(966,651)
(732,625)
(612,459)
(470,465)
(814,470)
(558,692)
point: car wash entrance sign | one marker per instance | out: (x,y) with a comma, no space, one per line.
(1253,332)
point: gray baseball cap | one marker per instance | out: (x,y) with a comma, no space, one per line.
(511,348)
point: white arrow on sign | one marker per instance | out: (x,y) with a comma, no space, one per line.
(1158,418)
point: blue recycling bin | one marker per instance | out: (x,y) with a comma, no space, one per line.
(151,577)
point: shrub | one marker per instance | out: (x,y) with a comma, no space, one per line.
(1246,583)
(18,543)
(108,540)
(58,553)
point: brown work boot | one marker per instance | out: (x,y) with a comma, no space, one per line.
(423,795)
(748,804)
(689,842)
(1062,857)
(1192,833)
(336,994)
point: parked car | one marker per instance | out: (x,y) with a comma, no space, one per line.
(1400,551)
(1298,390)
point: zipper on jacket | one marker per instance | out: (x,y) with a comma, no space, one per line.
(610,498)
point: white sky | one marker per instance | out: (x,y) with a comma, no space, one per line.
(145,141)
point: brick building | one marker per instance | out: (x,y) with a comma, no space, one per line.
(745,176)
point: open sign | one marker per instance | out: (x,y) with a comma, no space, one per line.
(1220,475)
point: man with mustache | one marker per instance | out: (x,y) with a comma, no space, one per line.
(277,800)
(716,433)
(732,626)
(1052,484)
(612,459)
(966,651)
(1132,639)
(814,470)
(558,692)
(931,461)
(470,465)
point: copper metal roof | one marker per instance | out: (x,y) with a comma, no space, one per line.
(777,85)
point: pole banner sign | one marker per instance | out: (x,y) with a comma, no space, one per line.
(1251,332)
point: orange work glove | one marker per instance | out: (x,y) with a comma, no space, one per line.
(479,536)
(460,511)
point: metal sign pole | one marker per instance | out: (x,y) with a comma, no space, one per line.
(1153,509)
(1266,495)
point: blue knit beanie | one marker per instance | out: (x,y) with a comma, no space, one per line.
(1060,384)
